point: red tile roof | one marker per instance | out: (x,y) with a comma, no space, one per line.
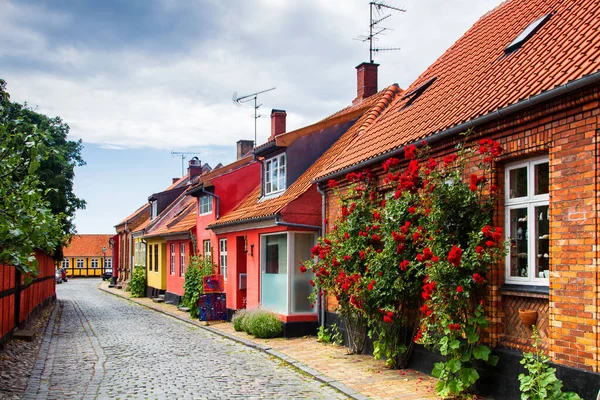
(475,77)
(179,217)
(88,246)
(134,214)
(251,208)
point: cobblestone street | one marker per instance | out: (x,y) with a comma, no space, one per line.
(100,346)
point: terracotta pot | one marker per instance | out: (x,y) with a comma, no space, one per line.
(528,317)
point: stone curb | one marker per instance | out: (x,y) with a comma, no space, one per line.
(353,394)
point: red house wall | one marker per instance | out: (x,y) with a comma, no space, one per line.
(175,281)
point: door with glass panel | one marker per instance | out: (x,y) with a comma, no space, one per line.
(274,268)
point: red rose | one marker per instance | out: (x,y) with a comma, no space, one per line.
(459,289)
(361,254)
(410,152)
(347,258)
(404,265)
(418,336)
(455,255)
(312,283)
(490,243)
(332,183)
(387,319)
(478,278)
(371,284)
(302,268)
(411,210)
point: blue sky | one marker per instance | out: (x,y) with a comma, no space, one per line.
(138,79)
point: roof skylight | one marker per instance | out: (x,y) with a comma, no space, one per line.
(527,33)
(415,94)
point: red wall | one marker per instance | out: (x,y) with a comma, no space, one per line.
(175,281)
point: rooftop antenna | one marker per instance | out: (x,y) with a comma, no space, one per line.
(182,154)
(238,101)
(380,9)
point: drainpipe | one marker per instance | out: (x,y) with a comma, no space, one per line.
(262,173)
(146,263)
(321,305)
(218,201)
(131,255)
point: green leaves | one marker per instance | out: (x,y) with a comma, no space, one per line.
(481,352)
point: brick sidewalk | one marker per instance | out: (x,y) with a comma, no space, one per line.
(362,374)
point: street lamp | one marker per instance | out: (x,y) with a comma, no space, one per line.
(104,259)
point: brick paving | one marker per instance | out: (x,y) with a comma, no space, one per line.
(362,374)
(98,346)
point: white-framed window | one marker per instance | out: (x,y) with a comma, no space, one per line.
(154,209)
(80,263)
(65,263)
(223,257)
(206,248)
(94,263)
(181,259)
(172,258)
(108,263)
(527,219)
(140,253)
(275,174)
(205,205)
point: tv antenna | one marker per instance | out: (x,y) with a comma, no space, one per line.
(238,101)
(182,154)
(381,9)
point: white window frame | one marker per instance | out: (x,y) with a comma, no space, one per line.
(154,209)
(205,205)
(530,202)
(269,173)
(108,263)
(172,258)
(94,263)
(223,257)
(206,249)
(80,263)
(65,263)
(181,259)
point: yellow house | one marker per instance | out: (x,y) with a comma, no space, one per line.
(156,261)
(87,255)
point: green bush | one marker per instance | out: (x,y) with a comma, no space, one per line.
(192,286)
(262,324)
(238,320)
(137,285)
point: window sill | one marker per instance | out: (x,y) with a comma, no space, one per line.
(542,292)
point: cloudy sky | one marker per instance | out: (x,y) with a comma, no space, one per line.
(137,79)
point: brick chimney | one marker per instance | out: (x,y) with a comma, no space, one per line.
(366,81)
(277,123)
(244,147)
(194,168)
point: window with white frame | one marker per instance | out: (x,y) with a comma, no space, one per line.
(181,259)
(528,221)
(172,258)
(80,263)
(154,209)
(108,263)
(205,205)
(275,174)
(223,257)
(206,247)
(94,263)
(65,263)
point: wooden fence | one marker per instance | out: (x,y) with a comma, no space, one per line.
(19,301)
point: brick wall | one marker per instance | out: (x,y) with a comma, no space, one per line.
(566,130)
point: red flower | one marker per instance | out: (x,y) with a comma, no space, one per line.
(449,159)
(347,258)
(490,243)
(371,284)
(302,268)
(376,215)
(361,254)
(312,283)
(389,163)
(332,183)
(459,289)
(431,164)
(478,278)
(346,235)
(410,152)
(455,255)
(479,250)
(387,319)
(426,310)
(411,210)
(404,265)
(376,238)
(418,336)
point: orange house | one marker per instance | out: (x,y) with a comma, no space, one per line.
(87,255)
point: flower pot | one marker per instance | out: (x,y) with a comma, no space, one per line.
(528,317)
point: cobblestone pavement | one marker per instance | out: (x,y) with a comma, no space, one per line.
(98,346)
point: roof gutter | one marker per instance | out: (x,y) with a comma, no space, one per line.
(499,113)
(239,222)
(292,225)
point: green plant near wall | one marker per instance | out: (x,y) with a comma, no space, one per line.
(261,323)
(193,285)
(541,382)
(137,285)
(330,334)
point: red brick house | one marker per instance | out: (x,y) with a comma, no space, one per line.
(122,244)
(263,240)
(527,74)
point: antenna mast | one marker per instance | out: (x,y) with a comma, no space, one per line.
(238,101)
(182,154)
(374,30)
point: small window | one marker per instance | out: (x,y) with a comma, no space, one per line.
(94,263)
(206,247)
(205,205)
(172,259)
(150,258)
(156,258)
(223,257)
(275,174)
(527,33)
(181,259)
(65,263)
(80,263)
(528,222)
(154,209)
(108,263)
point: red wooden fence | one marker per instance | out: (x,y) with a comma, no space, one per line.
(17,301)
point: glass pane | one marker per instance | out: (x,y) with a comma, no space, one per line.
(268,171)
(274,273)
(282,160)
(518,182)
(542,178)
(542,242)
(518,242)
(301,288)
(275,164)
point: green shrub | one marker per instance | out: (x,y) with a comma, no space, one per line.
(238,320)
(262,324)
(330,335)
(193,286)
(137,285)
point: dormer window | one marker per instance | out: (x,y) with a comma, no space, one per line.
(527,33)
(154,209)
(205,205)
(275,174)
